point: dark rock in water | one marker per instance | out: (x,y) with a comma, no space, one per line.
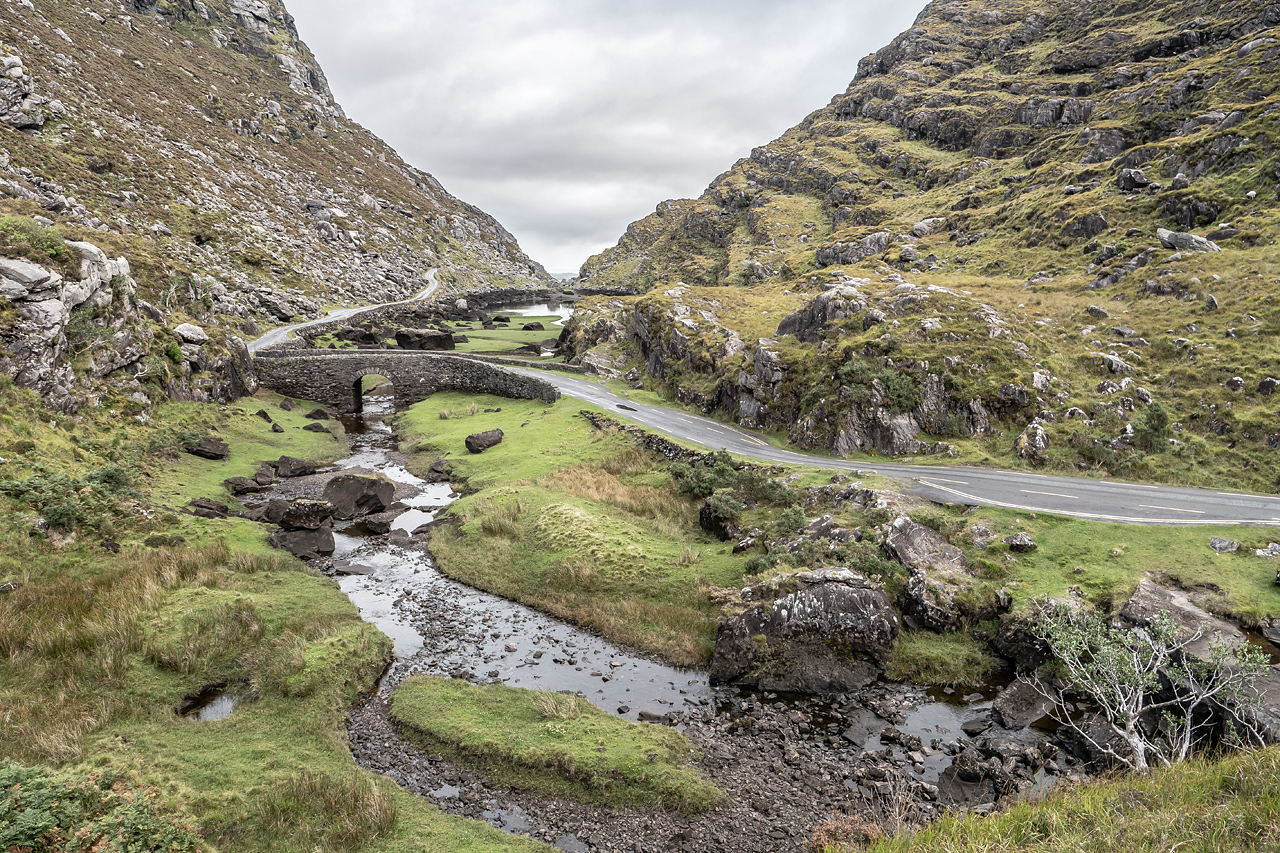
(1020,543)
(242,485)
(315,428)
(1270,628)
(317,415)
(305,543)
(286,404)
(205,508)
(266,475)
(353,495)
(306,515)
(289,466)
(533,327)
(481,441)
(438,472)
(380,523)
(1223,546)
(1019,705)
(210,447)
(352,569)
(833,635)
(650,717)
(425,339)
(973,728)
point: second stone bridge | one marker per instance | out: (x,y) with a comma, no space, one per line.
(335,378)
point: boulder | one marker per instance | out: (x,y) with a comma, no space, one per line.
(381,522)
(1033,443)
(316,427)
(1150,600)
(317,415)
(266,475)
(210,447)
(242,485)
(829,636)
(1019,705)
(353,496)
(289,466)
(205,508)
(479,442)
(438,472)
(533,327)
(306,514)
(1184,242)
(425,339)
(1223,546)
(191,333)
(1020,543)
(304,543)
(1268,386)
(272,512)
(1132,179)
(938,573)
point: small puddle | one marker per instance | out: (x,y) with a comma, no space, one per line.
(209,705)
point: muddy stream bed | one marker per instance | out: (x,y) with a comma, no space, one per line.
(787,762)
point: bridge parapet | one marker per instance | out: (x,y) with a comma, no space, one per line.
(333,378)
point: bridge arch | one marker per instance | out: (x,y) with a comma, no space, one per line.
(333,377)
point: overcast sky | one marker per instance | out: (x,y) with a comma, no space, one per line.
(569,119)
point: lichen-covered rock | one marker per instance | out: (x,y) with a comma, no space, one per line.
(832,634)
(938,574)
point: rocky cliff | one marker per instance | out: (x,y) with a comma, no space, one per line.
(199,143)
(1036,216)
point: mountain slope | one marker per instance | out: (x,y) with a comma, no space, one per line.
(200,142)
(1027,158)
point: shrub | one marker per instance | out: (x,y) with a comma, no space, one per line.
(1152,435)
(725,506)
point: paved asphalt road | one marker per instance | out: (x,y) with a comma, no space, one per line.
(1099,500)
(275,336)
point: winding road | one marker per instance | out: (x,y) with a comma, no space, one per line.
(1078,497)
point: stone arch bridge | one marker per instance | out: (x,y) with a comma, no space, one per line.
(334,378)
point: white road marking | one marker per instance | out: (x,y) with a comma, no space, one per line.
(1171,509)
(1140,486)
(716,431)
(1051,494)
(944,480)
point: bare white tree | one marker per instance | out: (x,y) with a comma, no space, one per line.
(1130,672)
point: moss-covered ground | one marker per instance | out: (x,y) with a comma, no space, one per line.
(554,744)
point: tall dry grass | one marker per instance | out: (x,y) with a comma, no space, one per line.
(660,509)
(313,810)
(73,638)
(556,706)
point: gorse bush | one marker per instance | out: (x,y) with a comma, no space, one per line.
(65,501)
(901,390)
(43,810)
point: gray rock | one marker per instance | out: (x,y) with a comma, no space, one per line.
(191,333)
(1211,303)
(304,543)
(1223,546)
(425,340)
(1020,543)
(1019,705)
(938,574)
(205,508)
(1268,386)
(825,637)
(304,514)
(210,447)
(1095,311)
(1132,179)
(24,273)
(1150,600)
(1235,383)
(479,442)
(533,327)
(1184,242)
(1116,364)
(1033,443)
(242,486)
(290,466)
(353,496)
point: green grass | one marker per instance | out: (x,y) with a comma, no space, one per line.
(575,522)
(1202,806)
(949,659)
(554,744)
(505,339)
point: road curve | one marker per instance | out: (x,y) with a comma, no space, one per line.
(275,336)
(1079,497)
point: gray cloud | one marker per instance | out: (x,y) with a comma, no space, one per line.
(568,119)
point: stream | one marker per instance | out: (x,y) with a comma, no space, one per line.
(787,762)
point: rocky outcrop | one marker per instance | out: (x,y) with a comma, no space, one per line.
(938,573)
(832,634)
(353,496)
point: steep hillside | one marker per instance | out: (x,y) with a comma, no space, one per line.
(985,240)
(199,142)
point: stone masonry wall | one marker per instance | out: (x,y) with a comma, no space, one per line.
(332,378)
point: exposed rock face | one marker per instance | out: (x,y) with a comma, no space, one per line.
(1185,242)
(353,496)
(1019,705)
(210,447)
(938,574)
(1150,600)
(423,339)
(833,634)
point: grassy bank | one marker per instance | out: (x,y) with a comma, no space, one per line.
(575,522)
(1225,805)
(98,649)
(555,744)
